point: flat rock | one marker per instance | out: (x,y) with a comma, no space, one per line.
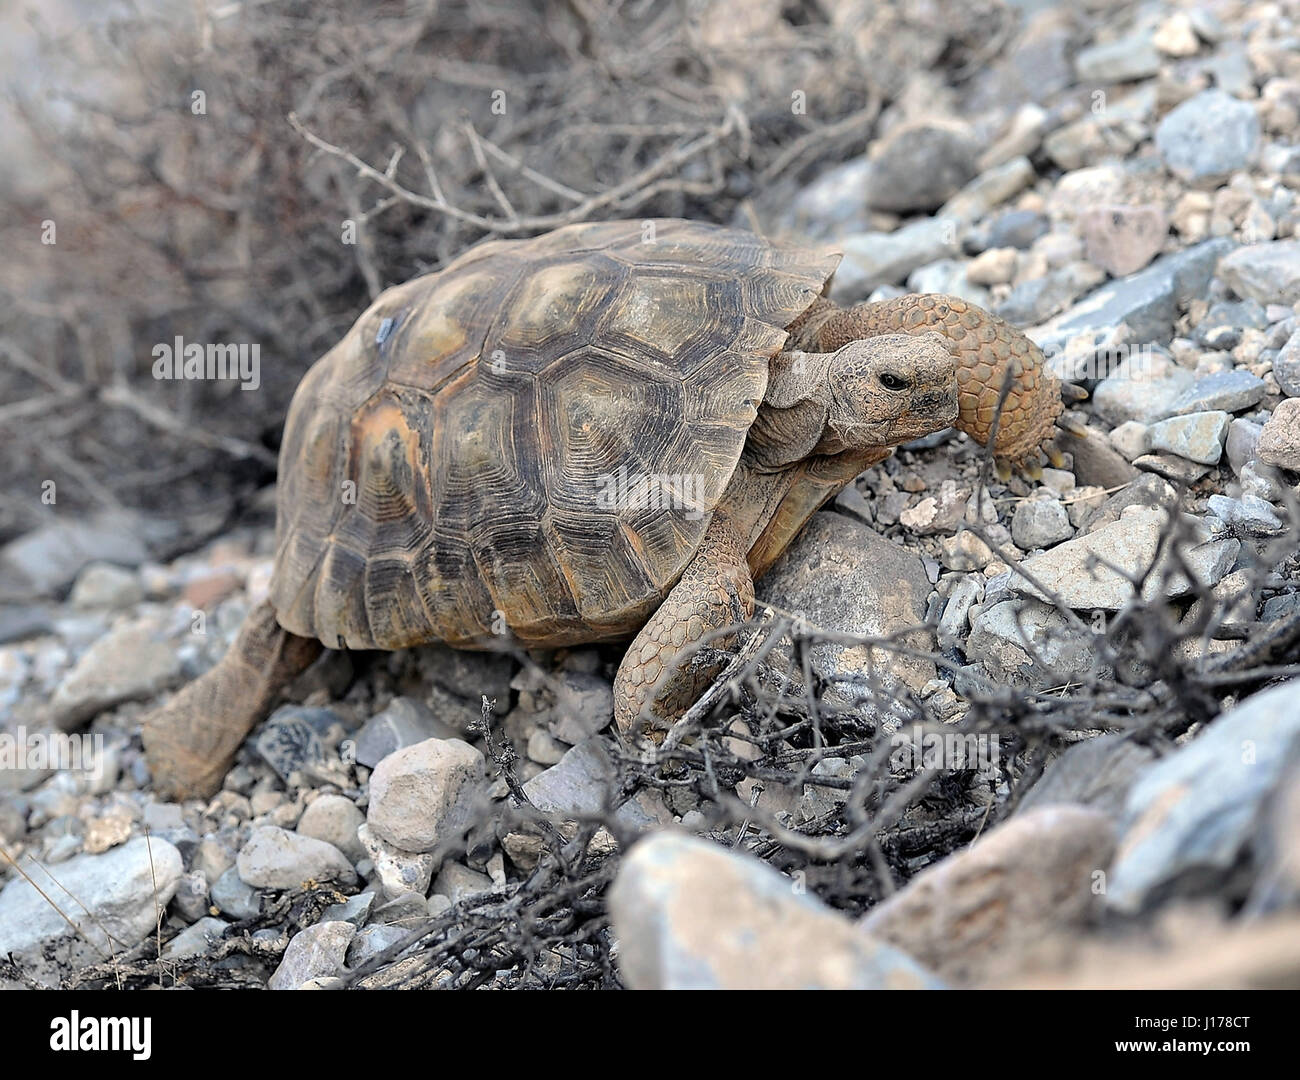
(291,740)
(1125,314)
(980,912)
(46,560)
(1195,437)
(1144,388)
(689,914)
(316,952)
(1227,391)
(131,662)
(876,258)
(1191,817)
(1208,137)
(1031,642)
(117,897)
(404,723)
(1094,570)
(1267,273)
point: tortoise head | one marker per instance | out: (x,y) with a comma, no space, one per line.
(888,389)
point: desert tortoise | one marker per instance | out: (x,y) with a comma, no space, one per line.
(602,433)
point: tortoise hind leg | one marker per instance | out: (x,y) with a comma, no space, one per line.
(191,740)
(715,591)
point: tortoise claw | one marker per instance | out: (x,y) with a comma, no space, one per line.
(1003,469)
(1032,470)
(1055,455)
(1073,426)
(1072,393)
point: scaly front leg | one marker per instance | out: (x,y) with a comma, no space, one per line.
(656,682)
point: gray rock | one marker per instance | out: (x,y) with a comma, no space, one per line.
(1144,388)
(19,621)
(1286,370)
(988,190)
(917,166)
(316,952)
(585,781)
(45,561)
(235,898)
(404,723)
(947,276)
(840,575)
(1124,315)
(1096,570)
(1208,137)
(956,612)
(1096,773)
(1096,462)
(1040,298)
(104,585)
(1196,437)
(1029,641)
(1172,467)
(372,941)
(196,940)
(115,899)
(1266,273)
(1279,607)
(1040,523)
(1191,817)
(423,795)
(1228,391)
(335,820)
(584,706)
(1249,514)
(1229,315)
(1127,59)
(876,258)
(275,858)
(457,882)
(131,662)
(832,205)
(355,910)
(291,740)
(689,914)
(1017,229)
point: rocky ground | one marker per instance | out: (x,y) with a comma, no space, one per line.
(1122,186)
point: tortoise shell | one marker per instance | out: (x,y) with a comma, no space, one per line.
(531,440)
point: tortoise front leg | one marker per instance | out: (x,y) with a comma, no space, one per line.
(190,742)
(716,591)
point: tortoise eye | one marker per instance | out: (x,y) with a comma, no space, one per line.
(890,381)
